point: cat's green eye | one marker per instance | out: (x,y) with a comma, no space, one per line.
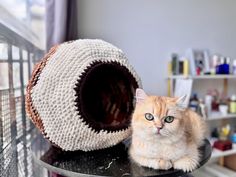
(149,116)
(169,119)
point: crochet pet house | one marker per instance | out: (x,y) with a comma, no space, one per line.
(80,95)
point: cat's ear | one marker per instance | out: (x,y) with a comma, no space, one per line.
(181,101)
(140,95)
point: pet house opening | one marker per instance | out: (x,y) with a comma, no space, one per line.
(105,96)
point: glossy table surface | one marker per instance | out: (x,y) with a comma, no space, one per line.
(112,161)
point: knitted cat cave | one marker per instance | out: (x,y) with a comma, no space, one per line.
(80,95)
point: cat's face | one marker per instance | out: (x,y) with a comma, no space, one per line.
(157,116)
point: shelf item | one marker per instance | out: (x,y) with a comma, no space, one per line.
(218,153)
(220,76)
(172,80)
(218,116)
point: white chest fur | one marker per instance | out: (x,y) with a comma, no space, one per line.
(159,148)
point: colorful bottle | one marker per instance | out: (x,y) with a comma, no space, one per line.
(216,63)
(186,67)
(193,103)
(224,66)
(232,104)
(233,137)
(175,64)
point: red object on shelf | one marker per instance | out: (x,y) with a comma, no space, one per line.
(198,71)
(223,145)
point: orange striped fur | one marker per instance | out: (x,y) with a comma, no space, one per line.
(161,145)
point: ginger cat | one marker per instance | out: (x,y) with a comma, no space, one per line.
(165,134)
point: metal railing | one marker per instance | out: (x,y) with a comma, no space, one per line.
(15,127)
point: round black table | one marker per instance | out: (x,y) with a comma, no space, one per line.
(112,161)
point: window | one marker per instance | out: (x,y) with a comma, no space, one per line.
(19,50)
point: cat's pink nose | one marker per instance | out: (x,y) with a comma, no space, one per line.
(158,130)
(159,127)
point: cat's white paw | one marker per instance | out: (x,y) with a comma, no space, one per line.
(186,164)
(164,164)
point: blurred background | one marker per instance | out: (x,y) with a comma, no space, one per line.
(158,38)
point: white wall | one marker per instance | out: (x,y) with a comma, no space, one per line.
(148,31)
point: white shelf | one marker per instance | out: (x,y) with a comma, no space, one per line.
(219,116)
(218,153)
(218,171)
(220,76)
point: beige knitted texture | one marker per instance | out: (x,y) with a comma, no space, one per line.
(54,96)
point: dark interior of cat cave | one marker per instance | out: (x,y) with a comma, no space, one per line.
(105,96)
